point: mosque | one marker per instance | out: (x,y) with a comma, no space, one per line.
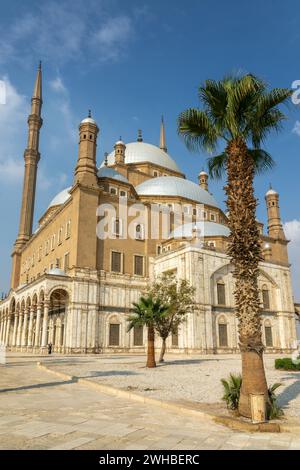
(73,285)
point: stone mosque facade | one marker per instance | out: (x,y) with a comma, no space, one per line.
(74,289)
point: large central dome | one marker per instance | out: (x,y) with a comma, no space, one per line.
(138,152)
(174,186)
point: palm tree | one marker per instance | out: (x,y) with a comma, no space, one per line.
(147,312)
(241,112)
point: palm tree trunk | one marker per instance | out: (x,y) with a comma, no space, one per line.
(162,351)
(245,253)
(151,350)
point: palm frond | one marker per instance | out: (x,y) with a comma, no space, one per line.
(197,130)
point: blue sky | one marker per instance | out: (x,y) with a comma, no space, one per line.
(131,61)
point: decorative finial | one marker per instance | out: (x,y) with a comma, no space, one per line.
(105,158)
(90,114)
(162,118)
(270,186)
(120,137)
(40,65)
(140,137)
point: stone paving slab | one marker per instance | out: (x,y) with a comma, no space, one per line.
(39,411)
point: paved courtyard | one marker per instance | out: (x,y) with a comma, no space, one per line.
(41,411)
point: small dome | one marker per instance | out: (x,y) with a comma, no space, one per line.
(61,197)
(56,272)
(204,229)
(88,120)
(138,152)
(174,186)
(271,192)
(203,173)
(106,172)
(119,142)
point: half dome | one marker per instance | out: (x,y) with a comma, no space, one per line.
(61,197)
(106,172)
(174,186)
(138,152)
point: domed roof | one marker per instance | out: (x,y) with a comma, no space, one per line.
(174,186)
(106,172)
(137,152)
(61,197)
(88,120)
(271,192)
(204,229)
(56,272)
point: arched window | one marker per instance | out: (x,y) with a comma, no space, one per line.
(223,333)
(268,334)
(221,297)
(265,298)
(175,338)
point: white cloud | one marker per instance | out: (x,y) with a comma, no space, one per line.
(112,37)
(57,85)
(296,128)
(61,31)
(292,232)
(12,123)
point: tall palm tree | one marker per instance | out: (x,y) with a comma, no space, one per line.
(148,312)
(241,112)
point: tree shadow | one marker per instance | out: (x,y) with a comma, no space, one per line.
(291,392)
(180,362)
(37,386)
(107,373)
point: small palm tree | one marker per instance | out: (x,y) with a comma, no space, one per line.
(241,112)
(148,312)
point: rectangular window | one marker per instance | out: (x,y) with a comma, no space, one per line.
(266,299)
(66,262)
(268,335)
(138,265)
(138,336)
(221,294)
(114,334)
(117,227)
(113,190)
(68,229)
(116,261)
(60,236)
(139,232)
(175,339)
(123,194)
(223,339)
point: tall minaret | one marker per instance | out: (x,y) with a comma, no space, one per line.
(275,229)
(31,157)
(162,140)
(86,168)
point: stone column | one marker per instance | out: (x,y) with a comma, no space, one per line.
(45,325)
(4,329)
(6,339)
(14,338)
(24,329)
(1,326)
(38,325)
(19,331)
(32,311)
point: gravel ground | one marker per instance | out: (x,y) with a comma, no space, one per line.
(191,378)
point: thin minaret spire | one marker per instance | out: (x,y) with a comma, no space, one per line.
(162,141)
(31,156)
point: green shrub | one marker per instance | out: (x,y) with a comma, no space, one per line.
(273,409)
(286,364)
(232,388)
